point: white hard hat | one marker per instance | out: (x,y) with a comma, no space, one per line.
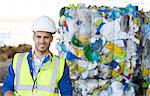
(44,23)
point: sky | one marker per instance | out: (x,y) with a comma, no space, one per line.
(16,16)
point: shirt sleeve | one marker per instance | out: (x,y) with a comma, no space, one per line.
(65,84)
(9,81)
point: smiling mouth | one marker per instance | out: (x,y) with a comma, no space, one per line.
(42,45)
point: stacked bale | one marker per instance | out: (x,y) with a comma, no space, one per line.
(7,52)
(103,47)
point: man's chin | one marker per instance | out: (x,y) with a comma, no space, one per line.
(42,50)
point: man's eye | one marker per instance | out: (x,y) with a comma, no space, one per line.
(46,37)
(38,37)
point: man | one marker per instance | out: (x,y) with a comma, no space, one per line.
(38,72)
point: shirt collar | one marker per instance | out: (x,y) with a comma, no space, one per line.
(33,53)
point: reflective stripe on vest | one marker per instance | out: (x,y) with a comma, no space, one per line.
(19,63)
(50,88)
(39,87)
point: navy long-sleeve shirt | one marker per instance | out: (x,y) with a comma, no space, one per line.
(64,85)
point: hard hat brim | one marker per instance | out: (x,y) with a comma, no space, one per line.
(45,31)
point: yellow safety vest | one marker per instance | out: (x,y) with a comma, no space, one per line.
(46,83)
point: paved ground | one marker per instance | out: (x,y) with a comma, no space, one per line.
(3,70)
(6,63)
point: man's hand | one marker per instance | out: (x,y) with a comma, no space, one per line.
(9,93)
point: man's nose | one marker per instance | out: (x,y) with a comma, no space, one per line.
(42,40)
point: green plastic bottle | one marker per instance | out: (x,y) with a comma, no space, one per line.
(76,42)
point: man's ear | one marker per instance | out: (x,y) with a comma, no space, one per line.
(52,38)
(33,36)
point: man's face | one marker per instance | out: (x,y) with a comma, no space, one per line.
(42,41)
